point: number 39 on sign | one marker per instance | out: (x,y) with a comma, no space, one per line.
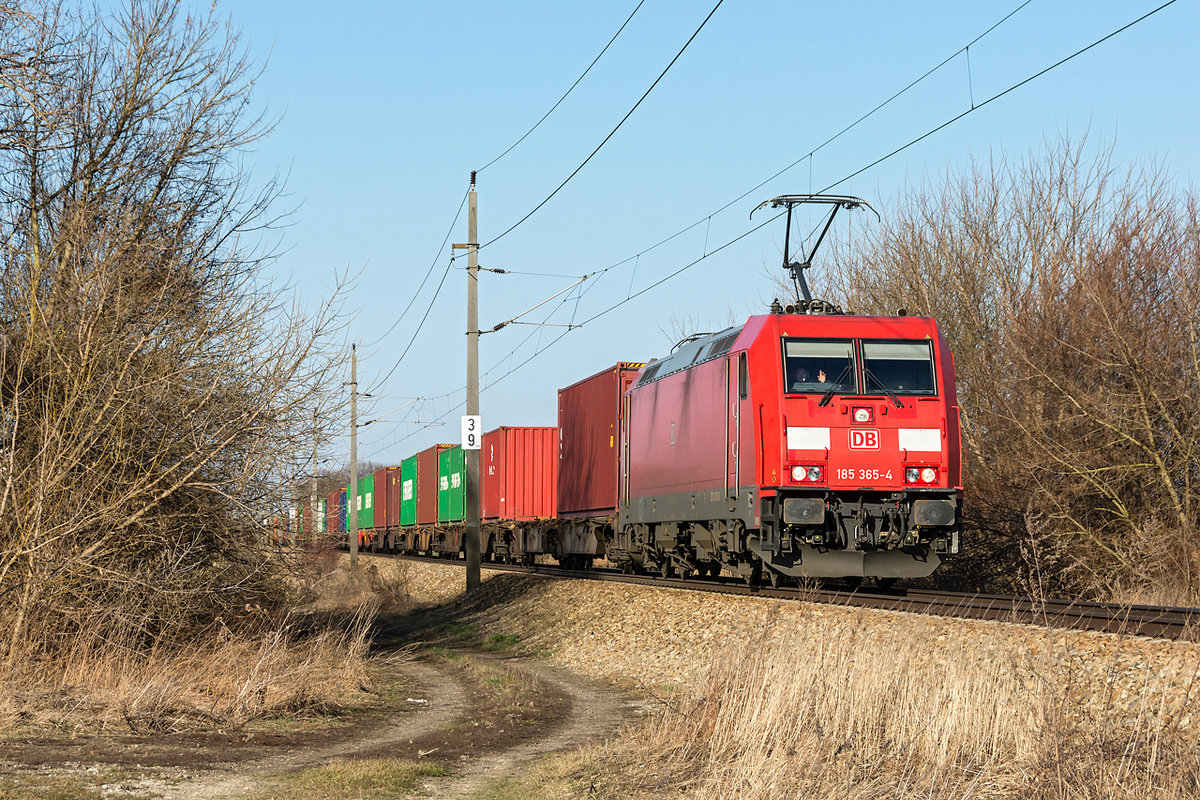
(472,432)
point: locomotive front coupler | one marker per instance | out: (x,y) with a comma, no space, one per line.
(862,535)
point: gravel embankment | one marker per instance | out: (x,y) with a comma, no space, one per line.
(655,637)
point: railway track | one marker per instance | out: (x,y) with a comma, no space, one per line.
(1161,622)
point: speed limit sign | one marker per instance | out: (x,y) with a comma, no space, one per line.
(472,432)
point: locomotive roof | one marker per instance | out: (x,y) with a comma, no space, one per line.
(715,345)
(696,351)
(844,325)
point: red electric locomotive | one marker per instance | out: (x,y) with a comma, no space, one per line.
(808,445)
(797,445)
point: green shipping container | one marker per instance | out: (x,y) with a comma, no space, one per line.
(365,502)
(347,504)
(450,485)
(408,491)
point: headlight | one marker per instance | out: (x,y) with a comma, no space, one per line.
(806,474)
(921,474)
(862,414)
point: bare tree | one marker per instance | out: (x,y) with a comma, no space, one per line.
(678,326)
(1069,294)
(156,394)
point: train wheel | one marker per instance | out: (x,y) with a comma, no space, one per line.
(852,582)
(885,583)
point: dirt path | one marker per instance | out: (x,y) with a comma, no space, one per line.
(589,712)
(443,704)
(596,712)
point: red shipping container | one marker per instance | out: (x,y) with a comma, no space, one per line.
(589,427)
(427,484)
(519,469)
(379,501)
(391,479)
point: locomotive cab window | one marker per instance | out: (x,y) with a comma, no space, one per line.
(813,366)
(898,367)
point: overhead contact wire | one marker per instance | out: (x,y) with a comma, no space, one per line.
(421,324)
(998,95)
(824,144)
(560,337)
(611,133)
(428,272)
(564,97)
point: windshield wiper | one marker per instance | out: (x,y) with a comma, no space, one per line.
(836,385)
(871,377)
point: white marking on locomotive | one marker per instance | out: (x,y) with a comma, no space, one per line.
(925,439)
(808,438)
(861,439)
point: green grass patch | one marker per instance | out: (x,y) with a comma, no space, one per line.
(502,641)
(48,789)
(464,631)
(37,785)
(556,776)
(504,789)
(444,654)
(365,778)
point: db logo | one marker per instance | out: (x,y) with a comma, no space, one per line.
(864,440)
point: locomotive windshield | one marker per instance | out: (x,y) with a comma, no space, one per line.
(898,367)
(818,366)
(821,366)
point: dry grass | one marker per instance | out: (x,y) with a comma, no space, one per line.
(305,663)
(225,680)
(877,714)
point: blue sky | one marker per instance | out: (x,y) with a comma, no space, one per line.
(385,107)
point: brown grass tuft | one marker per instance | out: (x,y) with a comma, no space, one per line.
(223,680)
(876,713)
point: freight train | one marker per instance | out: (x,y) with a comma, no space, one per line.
(795,445)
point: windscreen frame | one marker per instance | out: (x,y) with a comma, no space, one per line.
(857,384)
(812,385)
(885,389)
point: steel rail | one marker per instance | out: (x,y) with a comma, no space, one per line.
(1159,622)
